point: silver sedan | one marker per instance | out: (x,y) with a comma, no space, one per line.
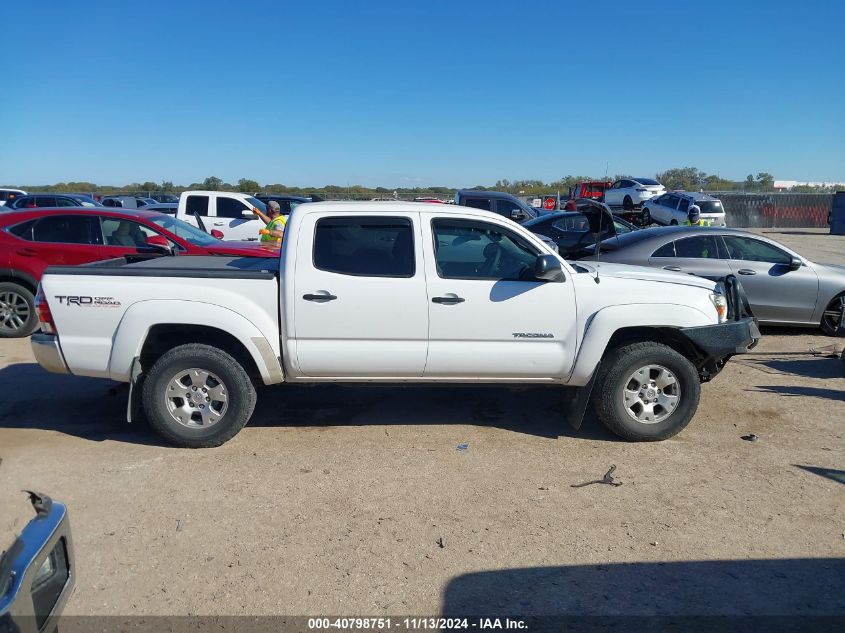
(782,286)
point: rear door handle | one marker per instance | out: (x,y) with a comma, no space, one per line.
(672,268)
(448,300)
(219,224)
(27,252)
(320,298)
(746,271)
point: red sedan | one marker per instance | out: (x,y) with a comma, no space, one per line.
(32,239)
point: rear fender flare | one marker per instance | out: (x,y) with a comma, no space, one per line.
(134,327)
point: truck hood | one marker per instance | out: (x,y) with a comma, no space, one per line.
(643,273)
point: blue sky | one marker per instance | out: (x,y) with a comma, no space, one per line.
(414,93)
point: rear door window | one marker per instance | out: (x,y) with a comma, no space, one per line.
(667,250)
(68,229)
(365,246)
(43,201)
(196,205)
(697,247)
(671,201)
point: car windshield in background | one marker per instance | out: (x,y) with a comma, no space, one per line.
(646,181)
(257,204)
(710,206)
(190,234)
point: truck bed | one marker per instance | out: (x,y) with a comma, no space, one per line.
(200,267)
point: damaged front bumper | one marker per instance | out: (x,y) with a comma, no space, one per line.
(717,343)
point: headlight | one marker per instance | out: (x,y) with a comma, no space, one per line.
(721,305)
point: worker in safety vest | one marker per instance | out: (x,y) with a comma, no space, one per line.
(694,217)
(275,222)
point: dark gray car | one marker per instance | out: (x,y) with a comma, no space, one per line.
(782,286)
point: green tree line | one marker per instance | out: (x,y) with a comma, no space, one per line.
(689,178)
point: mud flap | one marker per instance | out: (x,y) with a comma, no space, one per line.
(578,406)
(133,404)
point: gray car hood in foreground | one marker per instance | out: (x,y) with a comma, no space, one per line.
(626,271)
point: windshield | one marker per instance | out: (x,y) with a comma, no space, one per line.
(710,206)
(257,204)
(190,234)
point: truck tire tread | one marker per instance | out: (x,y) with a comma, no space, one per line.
(242,395)
(32,322)
(618,364)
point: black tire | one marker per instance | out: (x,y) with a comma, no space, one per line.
(645,219)
(239,392)
(830,323)
(17,311)
(628,204)
(617,368)
(673,223)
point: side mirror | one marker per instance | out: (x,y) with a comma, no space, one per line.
(517,215)
(795,263)
(160,243)
(547,268)
(247,213)
(218,234)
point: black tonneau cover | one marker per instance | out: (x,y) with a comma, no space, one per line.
(196,266)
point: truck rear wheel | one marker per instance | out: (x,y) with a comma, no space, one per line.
(198,396)
(646,391)
(17,311)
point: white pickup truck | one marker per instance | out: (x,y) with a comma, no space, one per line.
(391,292)
(229,212)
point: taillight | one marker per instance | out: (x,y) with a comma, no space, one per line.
(642,190)
(42,309)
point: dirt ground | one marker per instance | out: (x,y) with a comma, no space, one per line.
(334,498)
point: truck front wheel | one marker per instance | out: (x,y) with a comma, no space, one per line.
(198,396)
(646,391)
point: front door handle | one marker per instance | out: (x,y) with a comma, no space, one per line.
(320,298)
(27,252)
(448,300)
(672,268)
(746,271)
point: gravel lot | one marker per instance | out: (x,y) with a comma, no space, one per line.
(333,499)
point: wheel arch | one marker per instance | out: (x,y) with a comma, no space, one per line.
(144,335)
(9,275)
(639,323)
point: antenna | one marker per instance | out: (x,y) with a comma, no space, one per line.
(598,245)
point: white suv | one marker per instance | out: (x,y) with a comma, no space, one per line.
(672,208)
(632,192)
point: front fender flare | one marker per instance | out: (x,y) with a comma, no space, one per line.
(599,329)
